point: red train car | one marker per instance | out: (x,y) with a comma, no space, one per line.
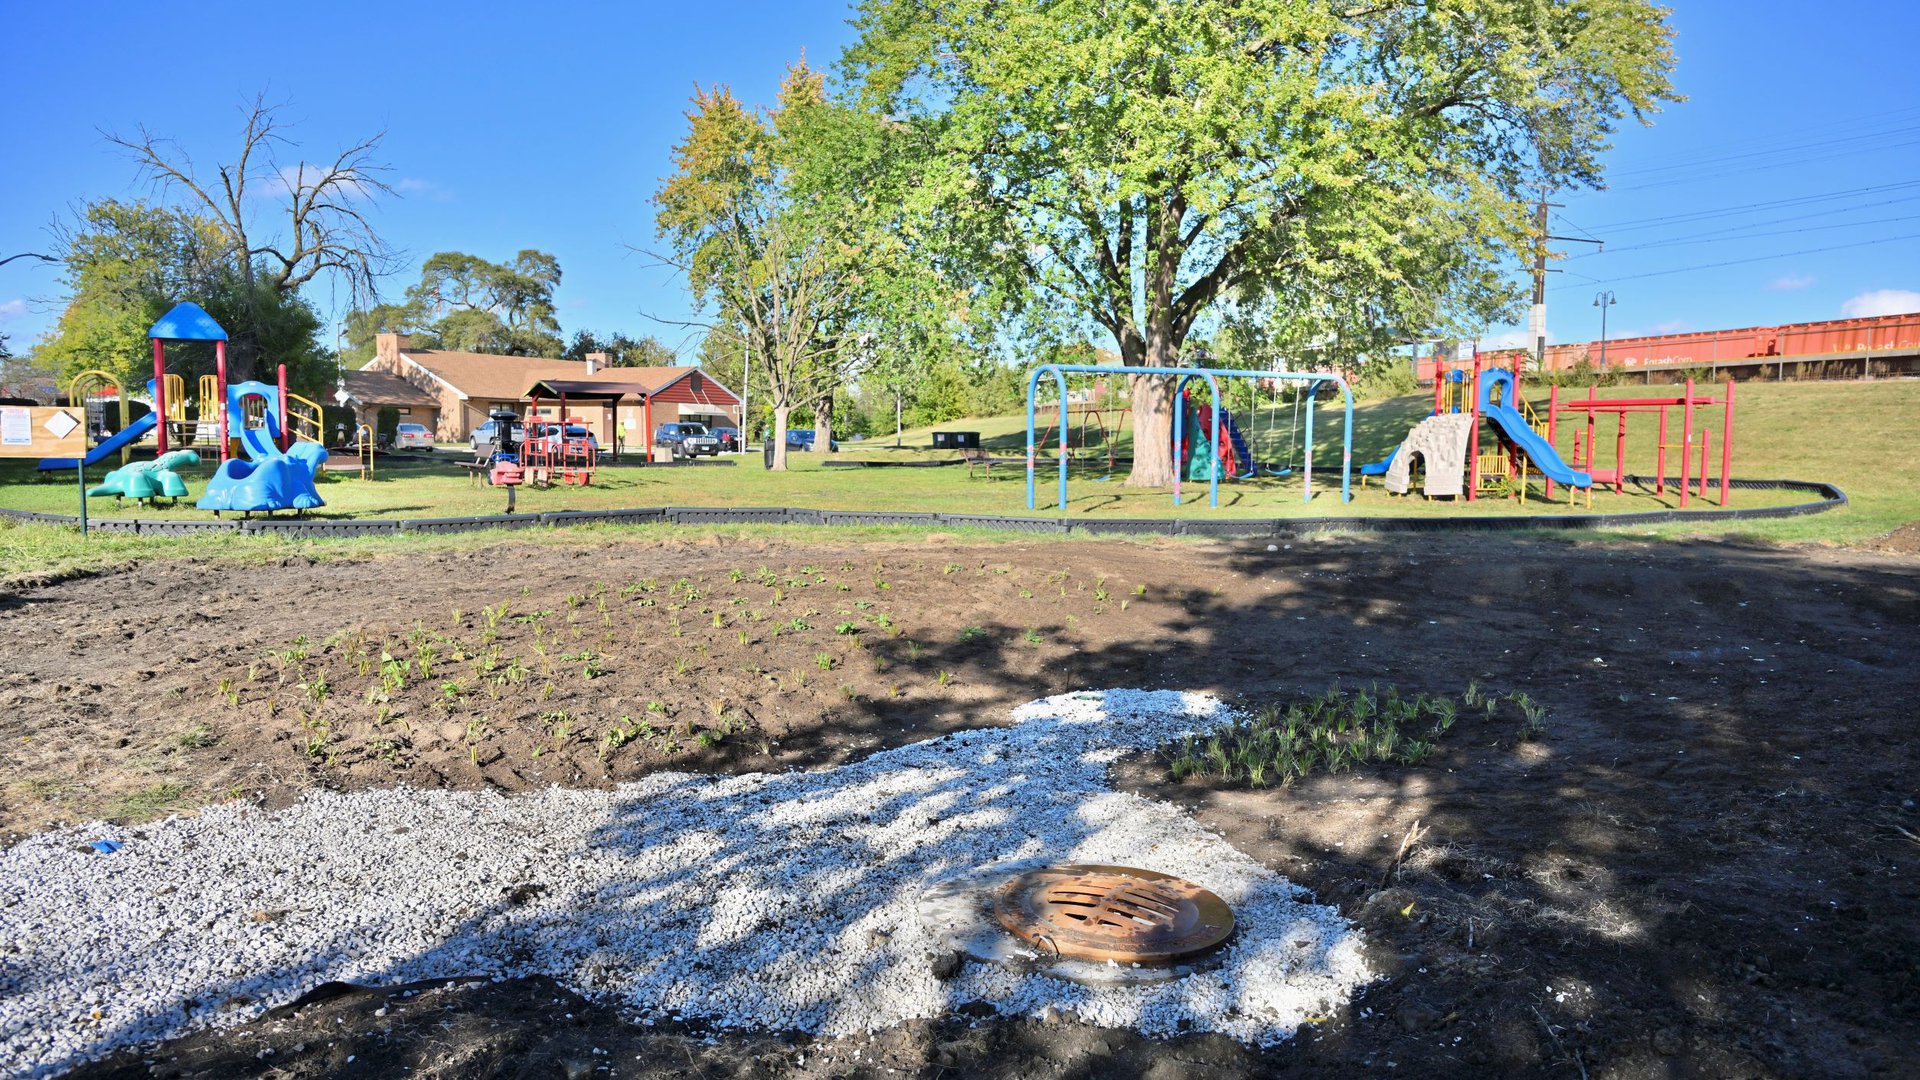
(1882,333)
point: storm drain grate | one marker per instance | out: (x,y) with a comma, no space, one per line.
(1116,913)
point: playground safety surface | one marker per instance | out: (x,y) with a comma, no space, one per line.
(1705,867)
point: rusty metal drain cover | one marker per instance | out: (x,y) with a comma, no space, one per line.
(1116,913)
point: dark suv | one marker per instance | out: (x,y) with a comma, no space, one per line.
(687,440)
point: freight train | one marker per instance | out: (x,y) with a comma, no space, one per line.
(1892,335)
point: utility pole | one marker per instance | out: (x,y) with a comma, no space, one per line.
(1537,318)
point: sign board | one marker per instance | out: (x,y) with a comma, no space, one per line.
(37,432)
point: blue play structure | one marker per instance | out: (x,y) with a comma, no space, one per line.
(1515,427)
(268,479)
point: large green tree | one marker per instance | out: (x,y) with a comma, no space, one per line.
(1336,167)
(470,304)
(784,222)
(622,351)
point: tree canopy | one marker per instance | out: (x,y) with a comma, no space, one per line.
(469,304)
(622,351)
(782,221)
(1319,169)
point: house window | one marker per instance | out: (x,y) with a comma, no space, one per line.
(404,412)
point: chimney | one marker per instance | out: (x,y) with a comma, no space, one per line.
(598,360)
(387,349)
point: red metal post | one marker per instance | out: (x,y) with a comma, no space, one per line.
(1439,383)
(1660,456)
(1706,442)
(1620,456)
(286,433)
(1473,437)
(646,418)
(159,393)
(1686,440)
(1593,454)
(1553,417)
(220,380)
(1726,446)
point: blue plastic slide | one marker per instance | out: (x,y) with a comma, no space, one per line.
(269,480)
(110,446)
(1515,427)
(1379,468)
(1241,452)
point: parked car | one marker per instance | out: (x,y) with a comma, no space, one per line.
(550,431)
(687,440)
(729,438)
(802,439)
(412,437)
(482,438)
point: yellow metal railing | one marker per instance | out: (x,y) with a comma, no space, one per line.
(81,387)
(306,419)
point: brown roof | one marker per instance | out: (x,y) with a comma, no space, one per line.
(486,375)
(380,388)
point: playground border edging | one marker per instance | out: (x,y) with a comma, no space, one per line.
(1829,497)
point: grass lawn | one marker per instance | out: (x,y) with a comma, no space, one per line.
(1848,433)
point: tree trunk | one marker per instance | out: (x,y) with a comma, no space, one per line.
(780,437)
(823,425)
(1154,460)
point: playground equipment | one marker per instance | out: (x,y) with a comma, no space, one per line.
(555,455)
(296,419)
(144,480)
(1217,446)
(1093,439)
(1446,444)
(269,478)
(1693,440)
(89,390)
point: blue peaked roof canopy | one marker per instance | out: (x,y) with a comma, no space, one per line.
(187,322)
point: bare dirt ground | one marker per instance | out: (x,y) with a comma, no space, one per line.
(1705,868)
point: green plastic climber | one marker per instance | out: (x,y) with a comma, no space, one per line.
(145,480)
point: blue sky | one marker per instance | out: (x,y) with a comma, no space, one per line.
(548,126)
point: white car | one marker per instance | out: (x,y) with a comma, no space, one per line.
(412,437)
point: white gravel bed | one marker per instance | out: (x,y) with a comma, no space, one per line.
(775,901)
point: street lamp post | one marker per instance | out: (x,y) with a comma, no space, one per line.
(1603,300)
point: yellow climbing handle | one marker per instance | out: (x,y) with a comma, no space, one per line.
(309,421)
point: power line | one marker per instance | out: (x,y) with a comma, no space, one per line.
(1755,259)
(1637,224)
(1790,148)
(1718,173)
(1721,236)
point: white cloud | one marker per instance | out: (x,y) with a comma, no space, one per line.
(426,189)
(1881,302)
(289,178)
(12,309)
(1789,282)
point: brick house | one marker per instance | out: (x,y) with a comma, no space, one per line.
(467,386)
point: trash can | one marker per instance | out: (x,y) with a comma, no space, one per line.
(956,440)
(766,454)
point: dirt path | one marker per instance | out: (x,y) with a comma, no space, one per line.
(1700,870)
